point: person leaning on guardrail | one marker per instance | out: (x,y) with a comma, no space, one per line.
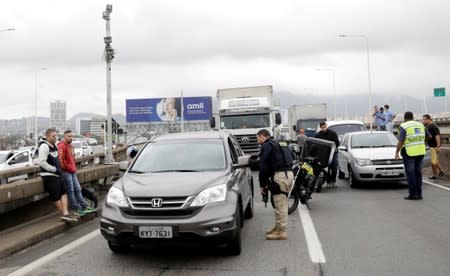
(69,169)
(51,173)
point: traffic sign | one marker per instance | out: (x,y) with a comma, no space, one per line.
(439,92)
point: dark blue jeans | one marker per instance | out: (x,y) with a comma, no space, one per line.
(74,191)
(413,170)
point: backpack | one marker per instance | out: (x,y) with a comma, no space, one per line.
(286,152)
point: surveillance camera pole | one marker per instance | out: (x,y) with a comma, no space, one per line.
(109,56)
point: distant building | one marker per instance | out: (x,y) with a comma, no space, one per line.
(83,127)
(58,115)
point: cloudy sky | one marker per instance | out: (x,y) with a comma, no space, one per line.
(196,46)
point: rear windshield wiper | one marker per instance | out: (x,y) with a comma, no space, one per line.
(361,147)
(384,146)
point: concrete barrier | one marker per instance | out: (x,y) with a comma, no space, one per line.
(20,193)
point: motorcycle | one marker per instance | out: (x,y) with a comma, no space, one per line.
(309,170)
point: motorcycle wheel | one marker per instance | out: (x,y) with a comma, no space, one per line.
(293,201)
(320,181)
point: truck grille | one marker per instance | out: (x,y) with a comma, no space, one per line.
(157,203)
(248,143)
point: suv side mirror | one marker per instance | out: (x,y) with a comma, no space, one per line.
(342,148)
(212,122)
(294,128)
(123,165)
(277,118)
(243,161)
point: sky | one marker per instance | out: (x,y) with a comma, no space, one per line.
(164,47)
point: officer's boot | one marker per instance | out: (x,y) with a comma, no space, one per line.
(277,235)
(271,230)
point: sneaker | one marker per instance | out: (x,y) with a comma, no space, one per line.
(68,218)
(432,177)
(441,174)
(79,212)
(89,210)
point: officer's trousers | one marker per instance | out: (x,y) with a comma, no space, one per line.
(280,201)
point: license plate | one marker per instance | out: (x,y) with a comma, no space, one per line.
(155,232)
(390,173)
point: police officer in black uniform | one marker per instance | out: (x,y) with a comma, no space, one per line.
(275,174)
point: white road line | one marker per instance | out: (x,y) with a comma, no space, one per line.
(435,185)
(312,240)
(42,261)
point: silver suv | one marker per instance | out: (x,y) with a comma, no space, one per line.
(181,187)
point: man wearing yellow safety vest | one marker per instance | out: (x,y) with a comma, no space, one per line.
(411,144)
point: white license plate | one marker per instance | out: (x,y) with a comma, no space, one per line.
(390,173)
(155,232)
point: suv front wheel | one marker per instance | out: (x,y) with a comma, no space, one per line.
(234,247)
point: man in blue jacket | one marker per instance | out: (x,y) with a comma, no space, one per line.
(275,174)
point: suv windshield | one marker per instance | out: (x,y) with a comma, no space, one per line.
(181,155)
(345,128)
(373,140)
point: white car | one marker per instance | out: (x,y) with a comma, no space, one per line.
(344,126)
(92,141)
(81,148)
(369,156)
(14,160)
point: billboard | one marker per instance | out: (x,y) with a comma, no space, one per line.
(168,109)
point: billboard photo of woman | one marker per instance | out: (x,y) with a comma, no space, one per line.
(169,109)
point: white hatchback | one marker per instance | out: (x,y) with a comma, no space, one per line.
(369,156)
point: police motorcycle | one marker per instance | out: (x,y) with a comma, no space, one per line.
(308,168)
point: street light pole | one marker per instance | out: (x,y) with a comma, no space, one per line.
(109,56)
(366,39)
(334,87)
(36,84)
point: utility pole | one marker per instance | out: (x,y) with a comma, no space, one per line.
(182,112)
(109,56)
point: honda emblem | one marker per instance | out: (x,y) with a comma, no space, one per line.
(156,202)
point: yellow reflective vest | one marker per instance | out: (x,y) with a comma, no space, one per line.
(414,143)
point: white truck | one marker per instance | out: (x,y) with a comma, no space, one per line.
(306,116)
(245,110)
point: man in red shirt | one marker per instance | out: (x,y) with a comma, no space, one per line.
(69,169)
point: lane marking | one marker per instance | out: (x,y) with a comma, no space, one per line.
(312,239)
(47,258)
(435,185)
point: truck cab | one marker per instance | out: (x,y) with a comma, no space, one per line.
(244,111)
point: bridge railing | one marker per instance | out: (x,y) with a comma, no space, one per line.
(91,169)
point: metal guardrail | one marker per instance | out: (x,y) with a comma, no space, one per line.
(91,169)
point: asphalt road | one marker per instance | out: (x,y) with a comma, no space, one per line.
(365,231)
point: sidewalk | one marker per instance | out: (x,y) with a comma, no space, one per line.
(17,238)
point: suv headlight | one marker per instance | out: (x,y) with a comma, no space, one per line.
(116,197)
(363,162)
(211,195)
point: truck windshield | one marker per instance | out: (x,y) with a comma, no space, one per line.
(245,121)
